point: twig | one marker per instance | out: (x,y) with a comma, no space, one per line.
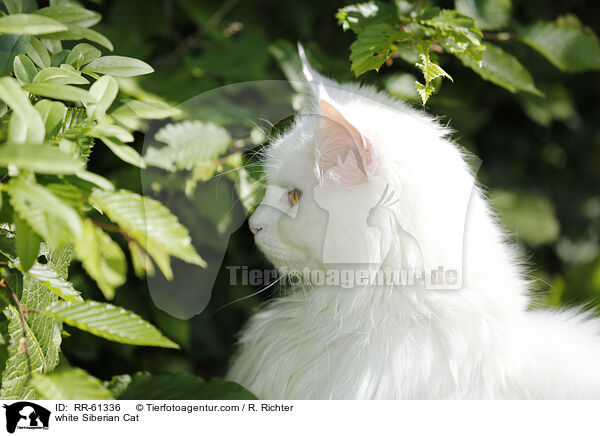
(114,229)
(22,314)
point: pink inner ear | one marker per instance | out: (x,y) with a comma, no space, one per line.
(336,138)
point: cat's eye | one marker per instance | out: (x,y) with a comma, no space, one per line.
(294,195)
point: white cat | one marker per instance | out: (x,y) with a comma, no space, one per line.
(391,341)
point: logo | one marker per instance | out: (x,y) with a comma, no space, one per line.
(26,415)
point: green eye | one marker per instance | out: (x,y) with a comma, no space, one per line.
(294,195)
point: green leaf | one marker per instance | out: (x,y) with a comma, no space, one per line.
(51,280)
(13,6)
(358,16)
(29,24)
(109,322)
(124,152)
(151,224)
(27,243)
(47,215)
(142,264)
(503,69)
(431,70)
(59,92)
(150,110)
(102,258)
(82,54)
(402,85)
(566,43)
(38,53)
(26,124)
(530,217)
(44,159)
(52,113)
(104,90)
(24,69)
(250,189)
(76,32)
(188,143)
(11,46)
(556,105)
(424,91)
(43,342)
(59,76)
(373,46)
(145,386)
(488,14)
(70,15)
(119,66)
(70,384)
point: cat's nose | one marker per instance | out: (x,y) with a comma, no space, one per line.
(254,225)
(254,229)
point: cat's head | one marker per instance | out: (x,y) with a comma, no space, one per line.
(360,178)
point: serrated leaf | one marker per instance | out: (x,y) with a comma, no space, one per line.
(424,91)
(145,386)
(51,280)
(373,46)
(488,14)
(43,342)
(70,15)
(59,92)
(76,32)
(431,70)
(188,143)
(119,66)
(102,258)
(44,159)
(109,322)
(38,53)
(27,243)
(52,113)
(151,225)
(70,384)
(24,69)
(59,76)
(503,69)
(104,90)
(29,24)
(49,216)
(82,54)
(568,45)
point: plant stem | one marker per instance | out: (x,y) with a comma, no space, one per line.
(22,312)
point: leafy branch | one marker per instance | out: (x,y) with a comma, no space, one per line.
(415,32)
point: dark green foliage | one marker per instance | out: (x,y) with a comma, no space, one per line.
(516,104)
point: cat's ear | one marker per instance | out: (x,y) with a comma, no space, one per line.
(317,84)
(342,152)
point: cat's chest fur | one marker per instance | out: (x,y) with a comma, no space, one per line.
(334,344)
(406,344)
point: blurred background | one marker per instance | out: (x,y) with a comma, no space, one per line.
(540,156)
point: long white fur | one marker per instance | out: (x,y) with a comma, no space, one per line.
(478,342)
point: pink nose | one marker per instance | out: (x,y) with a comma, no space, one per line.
(254,228)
